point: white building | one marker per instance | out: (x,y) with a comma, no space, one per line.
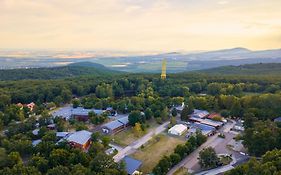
(177,129)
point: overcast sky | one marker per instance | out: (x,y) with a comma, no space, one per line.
(140,25)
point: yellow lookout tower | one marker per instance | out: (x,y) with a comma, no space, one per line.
(163,74)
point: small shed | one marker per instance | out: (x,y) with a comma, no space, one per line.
(177,129)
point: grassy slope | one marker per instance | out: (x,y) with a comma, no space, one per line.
(76,69)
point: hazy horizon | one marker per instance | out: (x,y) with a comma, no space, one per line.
(140,25)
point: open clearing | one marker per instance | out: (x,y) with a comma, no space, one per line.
(126,137)
(155,149)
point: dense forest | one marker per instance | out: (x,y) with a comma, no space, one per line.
(255,99)
(71,70)
(247,69)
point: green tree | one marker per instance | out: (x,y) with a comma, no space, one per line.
(79,169)
(40,163)
(135,117)
(185,113)
(58,170)
(208,158)
(174,112)
(59,157)
(148,114)
(75,103)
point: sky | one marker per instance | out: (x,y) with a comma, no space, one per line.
(140,25)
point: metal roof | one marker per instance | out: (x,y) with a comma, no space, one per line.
(124,120)
(113,125)
(277,119)
(36,142)
(131,164)
(67,112)
(80,137)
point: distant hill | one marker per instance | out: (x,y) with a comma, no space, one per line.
(247,69)
(71,70)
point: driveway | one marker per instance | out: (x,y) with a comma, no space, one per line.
(191,161)
(138,143)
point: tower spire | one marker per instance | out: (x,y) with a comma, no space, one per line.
(163,74)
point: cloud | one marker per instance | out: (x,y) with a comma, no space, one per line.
(138,24)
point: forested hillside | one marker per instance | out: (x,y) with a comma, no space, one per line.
(247,69)
(71,70)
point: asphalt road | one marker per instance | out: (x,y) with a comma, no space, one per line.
(191,161)
(138,143)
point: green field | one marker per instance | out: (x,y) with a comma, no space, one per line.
(157,147)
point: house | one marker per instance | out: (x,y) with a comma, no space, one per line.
(209,122)
(82,114)
(31,106)
(124,120)
(80,139)
(199,113)
(205,129)
(132,165)
(112,127)
(177,129)
(78,113)
(115,126)
(277,119)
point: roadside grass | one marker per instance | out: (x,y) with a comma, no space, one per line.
(155,149)
(126,137)
(181,171)
(225,160)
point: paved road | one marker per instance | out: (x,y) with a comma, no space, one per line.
(138,143)
(192,160)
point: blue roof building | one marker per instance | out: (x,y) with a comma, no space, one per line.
(132,165)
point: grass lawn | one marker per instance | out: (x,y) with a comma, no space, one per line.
(155,149)
(181,171)
(225,160)
(126,137)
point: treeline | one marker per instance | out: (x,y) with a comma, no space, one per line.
(71,70)
(126,93)
(180,152)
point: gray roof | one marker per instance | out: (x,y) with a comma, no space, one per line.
(36,142)
(80,137)
(113,125)
(62,134)
(277,119)
(68,111)
(124,120)
(131,164)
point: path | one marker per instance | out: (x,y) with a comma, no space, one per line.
(138,143)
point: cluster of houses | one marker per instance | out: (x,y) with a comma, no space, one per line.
(199,120)
(78,139)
